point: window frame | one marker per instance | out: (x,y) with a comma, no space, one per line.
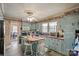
(53,26)
(43,27)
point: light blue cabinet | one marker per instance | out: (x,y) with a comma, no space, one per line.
(54,44)
(69,24)
(51,43)
(47,41)
(59,46)
(63,48)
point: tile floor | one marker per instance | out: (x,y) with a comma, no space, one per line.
(15,50)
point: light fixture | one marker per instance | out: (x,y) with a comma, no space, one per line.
(29,19)
(29,14)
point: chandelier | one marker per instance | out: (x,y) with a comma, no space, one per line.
(29,14)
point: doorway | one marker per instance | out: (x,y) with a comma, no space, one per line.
(14,32)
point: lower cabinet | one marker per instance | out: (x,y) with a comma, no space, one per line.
(63,49)
(59,46)
(47,42)
(52,44)
(55,44)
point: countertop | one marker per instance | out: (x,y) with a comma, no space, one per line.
(43,37)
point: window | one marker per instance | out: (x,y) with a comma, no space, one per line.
(52,26)
(44,27)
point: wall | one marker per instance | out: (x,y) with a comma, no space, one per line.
(8,28)
(0,11)
(69,24)
(18,24)
(1,15)
(7,33)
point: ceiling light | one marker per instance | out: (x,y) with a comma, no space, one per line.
(28,12)
(30,19)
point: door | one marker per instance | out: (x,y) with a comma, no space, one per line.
(47,42)
(1,38)
(14,32)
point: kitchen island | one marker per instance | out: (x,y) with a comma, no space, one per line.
(35,41)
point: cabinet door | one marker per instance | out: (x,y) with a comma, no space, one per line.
(56,45)
(59,46)
(47,42)
(63,49)
(52,43)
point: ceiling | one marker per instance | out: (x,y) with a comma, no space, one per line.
(40,10)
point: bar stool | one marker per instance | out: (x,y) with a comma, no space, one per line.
(34,48)
(28,49)
(41,48)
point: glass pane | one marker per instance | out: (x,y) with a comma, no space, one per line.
(44,27)
(52,26)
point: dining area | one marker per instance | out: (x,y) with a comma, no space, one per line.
(33,45)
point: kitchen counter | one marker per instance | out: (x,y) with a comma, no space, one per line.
(54,37)
(35,38)
(40,37)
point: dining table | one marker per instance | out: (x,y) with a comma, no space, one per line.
(36,41)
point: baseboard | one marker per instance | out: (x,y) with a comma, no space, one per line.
(56,51)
